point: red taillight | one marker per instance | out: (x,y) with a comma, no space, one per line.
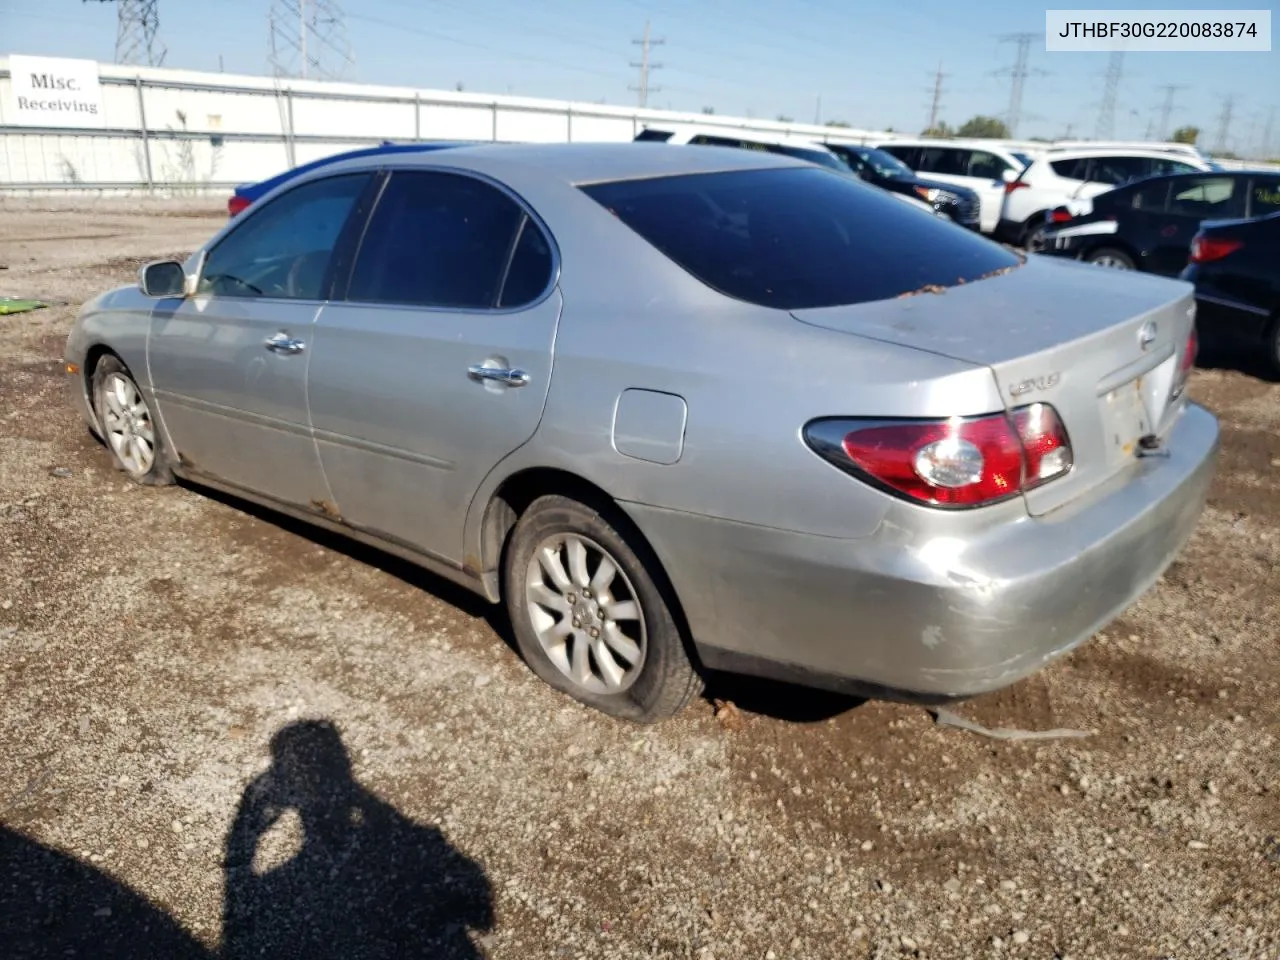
(236,204)
(958,462)
(1204,249)
(1060,216)
(1015,185)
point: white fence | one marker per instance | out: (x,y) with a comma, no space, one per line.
(179,130)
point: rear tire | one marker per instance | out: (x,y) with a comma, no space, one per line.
(1110,257)
(128,428)
(1273,347)
(589,617)
(1033,233)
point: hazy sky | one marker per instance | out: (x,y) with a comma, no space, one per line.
(869,64)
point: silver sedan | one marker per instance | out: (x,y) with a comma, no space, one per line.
(676,408)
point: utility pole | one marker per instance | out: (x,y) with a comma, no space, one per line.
(137,22)
(1224,123)
(1166,109)
(1106,128)
(1018,74)
(317,47)
(645,65)
(936,103)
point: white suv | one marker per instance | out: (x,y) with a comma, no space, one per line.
(1057,177)
(977,164)
(711,136)
(798,147)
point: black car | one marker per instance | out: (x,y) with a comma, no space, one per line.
(889,173)
(1147,225)
(1235,266)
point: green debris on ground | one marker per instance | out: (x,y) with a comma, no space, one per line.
(10,305)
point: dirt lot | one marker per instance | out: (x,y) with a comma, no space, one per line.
(154,641)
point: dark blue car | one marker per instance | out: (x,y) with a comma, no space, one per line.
(248,193)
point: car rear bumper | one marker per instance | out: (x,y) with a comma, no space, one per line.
(919,619)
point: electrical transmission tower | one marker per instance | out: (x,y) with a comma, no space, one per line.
(1224,124)
(936,103)
(645,65)
(1106,128)
(309,40)
(1166,109)
(136,24)
(1018,74)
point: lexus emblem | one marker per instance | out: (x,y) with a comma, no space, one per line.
(1147,335)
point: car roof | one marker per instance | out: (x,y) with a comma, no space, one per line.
(583,163)
(1119,152)
(755,136)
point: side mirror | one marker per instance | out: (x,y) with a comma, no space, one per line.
(163,278)
(1008,175)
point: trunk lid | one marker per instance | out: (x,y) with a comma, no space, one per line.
(1102,346)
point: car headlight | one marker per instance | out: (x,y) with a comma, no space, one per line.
(928,193)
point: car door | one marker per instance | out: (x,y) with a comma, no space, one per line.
(1192,201)
(436,363)
(229,365)
(986,176)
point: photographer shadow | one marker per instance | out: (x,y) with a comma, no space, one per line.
(364,882)
(367,881)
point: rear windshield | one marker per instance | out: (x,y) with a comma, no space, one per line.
(799,237)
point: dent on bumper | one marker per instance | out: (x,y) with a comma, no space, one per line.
(943,619)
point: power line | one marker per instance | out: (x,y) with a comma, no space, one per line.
(1224,123)
(936,103)
(1106,128)
(137,22)
(645,66)
(1018,73)
(1166,109)
(308,39)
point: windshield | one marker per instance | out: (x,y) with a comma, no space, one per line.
(798,237)
(884,164)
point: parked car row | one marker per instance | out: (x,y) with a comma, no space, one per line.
(676,408)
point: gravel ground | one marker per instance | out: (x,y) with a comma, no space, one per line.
(195,693)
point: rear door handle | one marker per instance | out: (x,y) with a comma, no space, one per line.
(283,343)
(510,378)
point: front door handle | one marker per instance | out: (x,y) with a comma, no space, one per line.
(510,378)
(283,343)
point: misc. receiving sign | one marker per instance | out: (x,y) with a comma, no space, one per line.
(53,92)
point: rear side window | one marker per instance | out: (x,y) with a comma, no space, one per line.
(1118,170)
(908,155)
(436,240)
(1074,169)
(798,238)
(1151,197)
(657,136)
(986,165)
(1265,196)
(1206,198)
(945,160)
(1163,166)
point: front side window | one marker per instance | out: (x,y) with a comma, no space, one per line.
(908,155)
(655,136)
(1205,198)
(282,250)
(1165,165)
(797,238)
(436,239)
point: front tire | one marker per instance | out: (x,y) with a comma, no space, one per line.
(588,615)
(130,431)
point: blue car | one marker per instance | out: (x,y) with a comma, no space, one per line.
(247,193)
